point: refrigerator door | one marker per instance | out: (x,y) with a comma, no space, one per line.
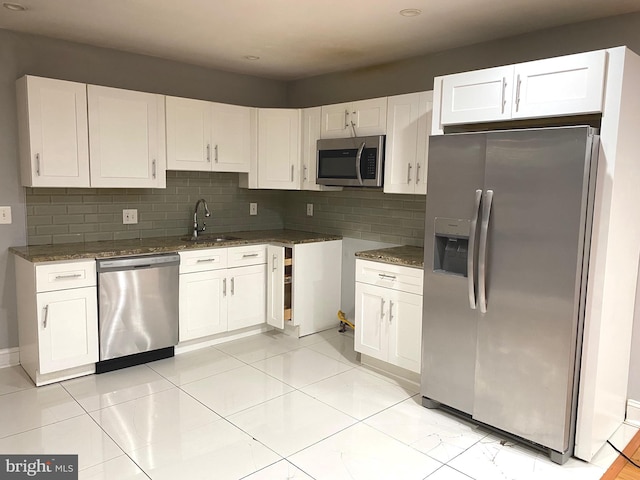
(456,171)
(526,355)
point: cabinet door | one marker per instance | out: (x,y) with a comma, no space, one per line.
(372,331)
(369,117)
(203,305)
(231,133)
(479,96)
(311,119)
(279,148)
(407,143)
(126,138)
(335,121)
(405,329)
(247,298)
(568,85)
(67,328)
(188,134)
(53,130)
(275,286)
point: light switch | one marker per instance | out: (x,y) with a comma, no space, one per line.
(253,209)
(5,215)
(309,209)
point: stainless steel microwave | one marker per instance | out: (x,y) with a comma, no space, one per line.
(352,162)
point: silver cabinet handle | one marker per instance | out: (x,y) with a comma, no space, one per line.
(417,173)
(205,260)
(233,283)
(384,276)
(482,255)
(37,164)
(215,153)
(304,174)
(292,173)
(518,93)
(390,311)
(471,251)
(208,152)
(249,255)
(274,266)
(358,160)
(224,287)
(153,168)
(409,173)
(381,308)
(46,316)
(504,94)
(68,277)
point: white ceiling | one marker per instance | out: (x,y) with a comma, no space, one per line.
(295,38)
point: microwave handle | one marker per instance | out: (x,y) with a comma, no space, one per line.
(358,159)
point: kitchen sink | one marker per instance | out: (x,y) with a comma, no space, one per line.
(208,238)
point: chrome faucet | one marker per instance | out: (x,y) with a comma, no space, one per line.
(207,213)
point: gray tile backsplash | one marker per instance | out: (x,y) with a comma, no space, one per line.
(63,215)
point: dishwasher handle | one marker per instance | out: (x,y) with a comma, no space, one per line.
(137,262)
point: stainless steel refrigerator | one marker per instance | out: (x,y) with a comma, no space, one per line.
(508,221)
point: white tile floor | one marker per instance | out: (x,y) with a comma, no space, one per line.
(264,407)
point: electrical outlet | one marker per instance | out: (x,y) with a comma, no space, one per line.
(129,216)
(5,215)
(253,209)
(309,209)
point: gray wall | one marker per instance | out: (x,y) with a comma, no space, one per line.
(416,74)
(26,54)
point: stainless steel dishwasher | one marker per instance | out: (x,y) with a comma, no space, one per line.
(137,309)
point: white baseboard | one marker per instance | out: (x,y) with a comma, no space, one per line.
(633,413)
(9,357)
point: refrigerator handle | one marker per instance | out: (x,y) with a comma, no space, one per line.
(482,254)
(471,251)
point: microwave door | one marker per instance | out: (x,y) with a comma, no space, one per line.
(338,167)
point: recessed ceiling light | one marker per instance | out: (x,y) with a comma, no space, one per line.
(251,57)
(410,12)
(14,7)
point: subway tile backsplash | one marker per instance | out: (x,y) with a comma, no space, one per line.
(63,215)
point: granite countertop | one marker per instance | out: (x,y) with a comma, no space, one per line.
(121,248)
(404,255)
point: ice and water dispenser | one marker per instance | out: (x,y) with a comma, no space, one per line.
(451,246)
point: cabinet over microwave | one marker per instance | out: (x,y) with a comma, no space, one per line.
(351,162)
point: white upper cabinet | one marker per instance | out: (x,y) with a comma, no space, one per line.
(568,85)
(126,138)
(206,136)
(279,157)
(54,138)
(408,127)
(479,96)
(354,119)
(560,86)
(311,119)
(188,134)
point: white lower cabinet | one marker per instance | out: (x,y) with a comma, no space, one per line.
(389,313)
(221,290)
(57,319)
(304,286)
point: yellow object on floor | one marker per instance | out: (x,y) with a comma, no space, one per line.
(344,321)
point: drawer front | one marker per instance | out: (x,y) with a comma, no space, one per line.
(203,260)
(397,277)
(61,276)
(247,255)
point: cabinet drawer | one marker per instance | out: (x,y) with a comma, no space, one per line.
(202,260)
(397,277)
(60,276)
(249,255)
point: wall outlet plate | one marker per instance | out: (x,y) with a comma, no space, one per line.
(309,209)
(253,209)
(129,216)
(5,215)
